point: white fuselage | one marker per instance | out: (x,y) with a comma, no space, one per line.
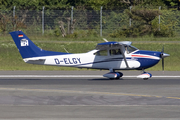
(86,60)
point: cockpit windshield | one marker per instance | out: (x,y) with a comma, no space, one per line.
(130,49)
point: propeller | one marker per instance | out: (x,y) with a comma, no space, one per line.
(163,55)
(162,52)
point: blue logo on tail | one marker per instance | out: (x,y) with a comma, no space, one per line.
(24,42)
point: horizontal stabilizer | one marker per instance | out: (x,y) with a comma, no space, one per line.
(37,60)
(34,60)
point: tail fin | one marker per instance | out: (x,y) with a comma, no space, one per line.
(27,48)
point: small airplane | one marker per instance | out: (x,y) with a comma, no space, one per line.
(107,56)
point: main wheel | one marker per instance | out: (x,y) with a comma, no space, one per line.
(121,74)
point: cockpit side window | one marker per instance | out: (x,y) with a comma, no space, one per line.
(115,52)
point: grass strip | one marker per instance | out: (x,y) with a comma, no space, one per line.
(10,58)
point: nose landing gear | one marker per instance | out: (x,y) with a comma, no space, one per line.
(145,75)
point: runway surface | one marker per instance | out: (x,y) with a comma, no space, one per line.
(87,95)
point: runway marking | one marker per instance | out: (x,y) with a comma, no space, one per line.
(82,105)
(49,76)
(73,76)
(173,97)
(84,92)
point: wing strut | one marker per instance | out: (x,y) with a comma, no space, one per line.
(122,47)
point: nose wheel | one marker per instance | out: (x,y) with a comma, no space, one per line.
(145,75)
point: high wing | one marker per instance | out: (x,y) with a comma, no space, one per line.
(115,45)
(108,45)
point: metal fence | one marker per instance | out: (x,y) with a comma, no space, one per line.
(102,22)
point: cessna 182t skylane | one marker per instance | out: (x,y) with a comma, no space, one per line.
(108,55)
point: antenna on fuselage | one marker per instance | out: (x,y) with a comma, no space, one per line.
(105,40)
(66,50)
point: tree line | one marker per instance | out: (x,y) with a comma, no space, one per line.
(144,14)
(90,4)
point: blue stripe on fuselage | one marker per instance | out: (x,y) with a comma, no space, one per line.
(148,62)
(152,53)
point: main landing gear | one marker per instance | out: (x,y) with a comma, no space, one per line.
(113,75)
(116,75)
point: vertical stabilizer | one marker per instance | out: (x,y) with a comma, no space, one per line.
(27,48)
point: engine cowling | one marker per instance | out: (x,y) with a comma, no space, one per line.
(113,75)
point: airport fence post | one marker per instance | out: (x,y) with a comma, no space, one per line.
(130,18)
(43,20)
(14,9)
(72,20)
(159,17)
(101,21)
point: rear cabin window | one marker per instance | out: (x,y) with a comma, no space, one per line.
(101,53)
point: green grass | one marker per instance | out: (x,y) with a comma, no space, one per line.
(47,38)
(10,58)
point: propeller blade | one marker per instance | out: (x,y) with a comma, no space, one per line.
(162,64)
(162,57)
(162,49)
(162,52)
